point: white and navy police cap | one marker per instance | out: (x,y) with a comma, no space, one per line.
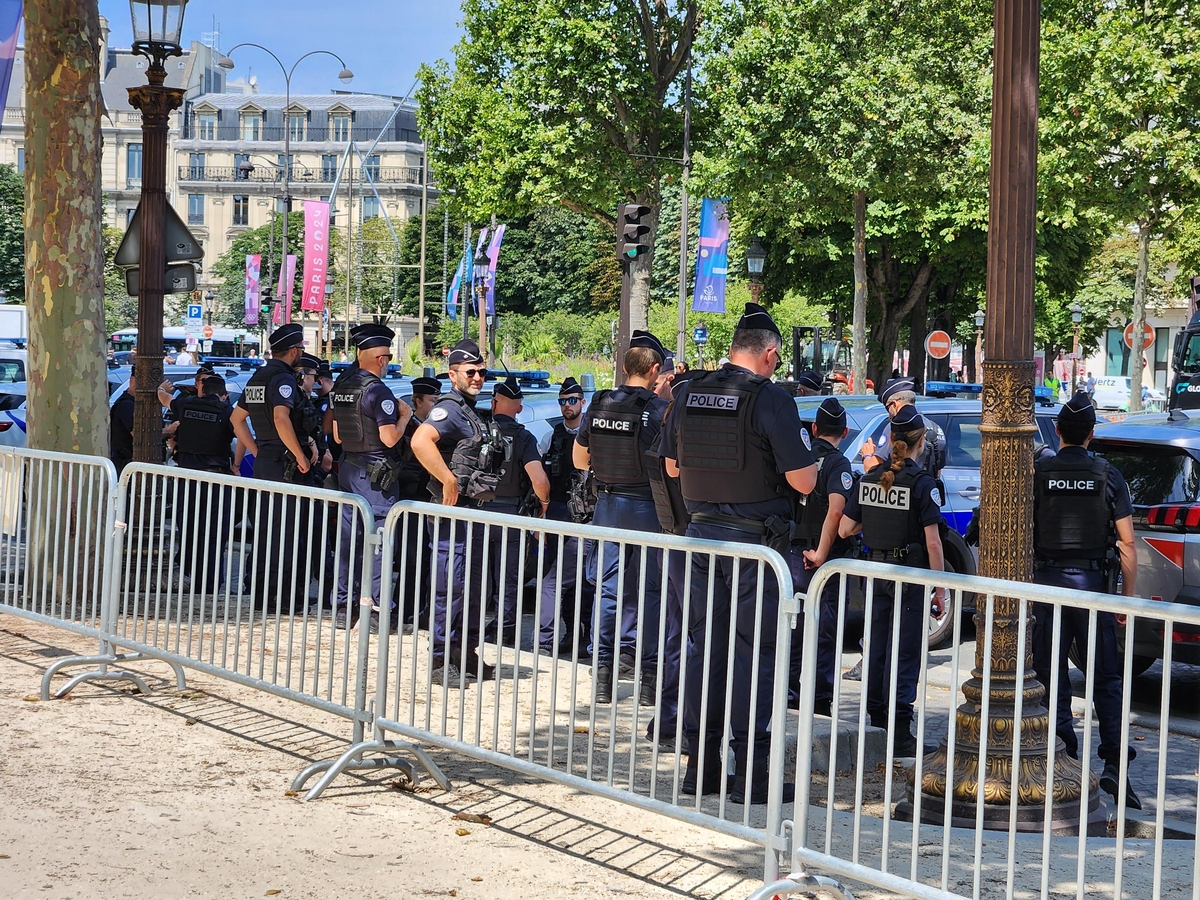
(831,415)
(649,341)
(1078,411)
(509,388)
(465,351)
(756,318)
(809,379)
(368,337)
(285,337)
(570,386)
(907,419)
(894,387)
(308,361)
(425,386)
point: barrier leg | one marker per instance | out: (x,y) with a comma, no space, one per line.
(352,761)
(102,673)
(812,885)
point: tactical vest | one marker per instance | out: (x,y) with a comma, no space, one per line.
(514,480)
(413,477)
(560,463)
(356,432)
(673,516)
(1073,521)
(889,518)
(306,418)
(615,438)
(476,461)
(816,505)
(202,431)
(254,398)
(720,459)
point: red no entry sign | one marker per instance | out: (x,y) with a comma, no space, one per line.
(937,344)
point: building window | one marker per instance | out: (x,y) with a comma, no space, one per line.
(372,168)
(195,166)
(329,167)
(195,209)
(129,216)
(339,124)
(251,126)
(20,159)
(370,207)
(206,126)
(297,125)
(241,210)
(133,164)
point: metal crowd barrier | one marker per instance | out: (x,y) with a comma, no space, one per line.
(537,712)
(854,821)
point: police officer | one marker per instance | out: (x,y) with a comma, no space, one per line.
(413,545)
(307,420)
(898,393)
(1083,521)
(734,441)
(808,384)
(120,425)
(456,448)
(368,421)
(898,510)
(558,597)
(618,429)
(817,541)
(522,477)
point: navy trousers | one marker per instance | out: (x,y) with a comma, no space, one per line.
(635,515)
(913,613)
(559,620)
(460,588)
(827,649)
(353,478)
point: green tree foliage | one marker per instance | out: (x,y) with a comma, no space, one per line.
(120,310)
(12,233)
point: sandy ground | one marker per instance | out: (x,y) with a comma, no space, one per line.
(184,794)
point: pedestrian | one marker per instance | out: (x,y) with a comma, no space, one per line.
(898,511)
(523,489)
(368,421)
(1091,388)
(120,425)
(185,358)
(817,541)
(808,384)
(459,451)
(618,428)
(412,551)
(1082,535)
(566,611)
(734,440)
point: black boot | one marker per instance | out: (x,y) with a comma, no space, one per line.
(713,767)
(604,684)
(647,693)
(1110,783)
(760,789)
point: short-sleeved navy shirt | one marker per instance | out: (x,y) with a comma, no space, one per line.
(777,422)
(450,421)
(835,477)
(379,405)
(281,390)
(1116,493)
(525,446)
(927,499)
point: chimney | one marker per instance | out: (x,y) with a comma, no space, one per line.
(104,33)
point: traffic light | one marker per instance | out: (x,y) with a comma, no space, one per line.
(632,231)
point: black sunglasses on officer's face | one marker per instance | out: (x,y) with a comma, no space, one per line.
(471,373)
(569,401)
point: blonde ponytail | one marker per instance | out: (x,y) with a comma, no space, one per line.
(901,443)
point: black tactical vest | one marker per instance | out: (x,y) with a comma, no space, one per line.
(254,397)
(476,461)
(615,438)
(356,432)
(514,480)
(560,463)
(672,513)
(720,459)
(202,431)
(1073,520)
(306,418)
(816,505)
(413,478)
(889,518)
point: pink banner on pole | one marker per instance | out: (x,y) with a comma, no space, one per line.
(253,272)
(316,254)
(287,281)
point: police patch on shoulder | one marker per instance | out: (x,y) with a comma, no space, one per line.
(388,407)
(804,436)
(438,414)
(285,391)
(937,496)
(847,480)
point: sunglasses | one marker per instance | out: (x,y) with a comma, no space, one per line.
(569,401)
(471,373)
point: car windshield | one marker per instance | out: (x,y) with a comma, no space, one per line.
(1156,474)
(1191,355)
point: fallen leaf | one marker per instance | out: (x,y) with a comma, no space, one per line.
(477,878)
(291,793)
(582,729)
(31,698)
(402,784)
(472,817)
(461,832)
(454,893)
(273,892)
(189,721)
(1139,737)
(5,856)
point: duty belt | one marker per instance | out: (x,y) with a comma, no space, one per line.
(733,523)
(1091,565)
(626,490)
(900,553)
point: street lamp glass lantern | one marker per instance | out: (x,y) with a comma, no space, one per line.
(979,319)
(1076,314)
(345,76)
(756,256)
(158,25)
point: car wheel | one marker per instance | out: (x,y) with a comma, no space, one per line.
(941,630)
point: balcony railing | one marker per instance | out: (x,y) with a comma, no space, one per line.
(315,134)
(264,174)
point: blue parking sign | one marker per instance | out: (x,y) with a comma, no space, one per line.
(195,311)
(700,335)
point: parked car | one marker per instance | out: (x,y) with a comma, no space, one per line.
(1112,392)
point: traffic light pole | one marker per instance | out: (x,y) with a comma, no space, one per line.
(632,233)
(623,324)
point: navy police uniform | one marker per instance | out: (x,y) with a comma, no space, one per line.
(893,527)
(734,436)
(412,553)
(120,431)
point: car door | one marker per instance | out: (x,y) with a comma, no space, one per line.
(960,475)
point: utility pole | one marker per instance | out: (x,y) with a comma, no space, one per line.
(424,223)
(681,332)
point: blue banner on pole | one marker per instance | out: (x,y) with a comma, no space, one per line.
(493,260)
(712,258)
(455,287)
(479,245)
(10,28)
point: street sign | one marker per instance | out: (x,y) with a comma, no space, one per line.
(179,279)
(207,346)
(1147,335)
(1071,356)
(700,335)
(195,312)
(207,331)
(937,344)
(180,245)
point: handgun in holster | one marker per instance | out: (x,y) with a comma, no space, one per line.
(384,474)
(779,534)
(291,468)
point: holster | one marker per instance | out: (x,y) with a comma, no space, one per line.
(779,534)
(291,468)
(384,474)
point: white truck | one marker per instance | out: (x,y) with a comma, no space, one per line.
(14,322)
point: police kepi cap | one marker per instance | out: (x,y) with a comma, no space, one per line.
(423,386)
(308,361)
(509,388)
(809,379)
(570,386)
(368,337)
(894,387)
(285,337)
(465,351)
(907,419)
(831,416)
(756,318)
(649,341)
(324,370)
(1078,411)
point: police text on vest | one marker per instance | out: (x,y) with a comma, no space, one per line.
(255,393)
(895,497)
(611,424)
(1076,484)
(722,402)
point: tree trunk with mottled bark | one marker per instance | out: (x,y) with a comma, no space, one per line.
(858,357)
(1139,318)
(64,247)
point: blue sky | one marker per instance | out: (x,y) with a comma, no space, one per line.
(382,41)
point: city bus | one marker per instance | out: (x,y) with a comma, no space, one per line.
(226,342)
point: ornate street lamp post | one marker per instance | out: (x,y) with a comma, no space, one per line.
(157,28)
(1077,319)
(481,264)
(756,256)
(979,318)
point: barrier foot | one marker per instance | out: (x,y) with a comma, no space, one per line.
(101,673)
(813,885)
(352,761)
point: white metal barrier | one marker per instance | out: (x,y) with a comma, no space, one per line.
(857,824)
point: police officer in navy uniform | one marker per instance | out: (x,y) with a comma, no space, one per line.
(412,548)
(307,419)
(808,384)
(734,440)
(618,429)
(898,510)
(523,489)
(817,541)
(897,393)
(1082,530)
(449,446)
(368,421)
(558,595)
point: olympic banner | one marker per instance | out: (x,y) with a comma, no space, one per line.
(253,271)
(475,274)
(316,254)
(285,291)
(493,259)
(712,258)
(455,287)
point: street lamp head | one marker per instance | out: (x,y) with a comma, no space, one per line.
(345,76)
(1076,314)
(208,295)
(756,256)
(979,319)
(481,260)
(157,29)
(245,168)
(225,62)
